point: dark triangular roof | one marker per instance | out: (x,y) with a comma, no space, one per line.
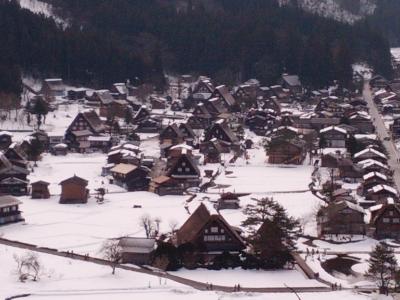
(201,111)
(193,226)
(75,179)
(173,127)
(223,126)
(186,158)
(40,182)
(223,92)
(186,129)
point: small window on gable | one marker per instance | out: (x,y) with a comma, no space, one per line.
(391,213)
(214,229)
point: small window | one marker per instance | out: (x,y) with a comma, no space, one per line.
(183,164)
(214,229)
(391,213)
(187,170)
(180,170)
(396,220)
(386,220)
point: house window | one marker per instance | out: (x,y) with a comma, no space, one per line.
(214,238)
(386,220)
(187,170)
(183,164)
(214,229)
(390,213)
(180,170)
(396,220)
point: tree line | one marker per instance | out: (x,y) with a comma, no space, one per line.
(231,41)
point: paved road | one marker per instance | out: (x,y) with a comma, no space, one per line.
(382,133)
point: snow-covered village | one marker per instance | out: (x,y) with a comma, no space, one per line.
(203,186)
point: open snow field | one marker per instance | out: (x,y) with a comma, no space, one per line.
(83,228)
(249,278)
(55,169)
(63,278)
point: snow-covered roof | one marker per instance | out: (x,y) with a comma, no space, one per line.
(137,245)
(182,146)
(381,187)
(370,150)
(6,201)
(382,91)
(124,168)
(326,129)
(99,138)
(369,162)
(6,133)
(372,174)
(376,207)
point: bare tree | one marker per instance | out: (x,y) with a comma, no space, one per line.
(112,252)
(157,222)
(28,266)
(173,225)
(147,224)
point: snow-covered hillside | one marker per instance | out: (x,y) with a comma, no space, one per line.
(40,7)
(337,9)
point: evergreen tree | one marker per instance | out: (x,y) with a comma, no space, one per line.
(274,241)
(382,267)
(35,150)
(40,109)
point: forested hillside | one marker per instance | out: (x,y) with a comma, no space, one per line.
(231,40)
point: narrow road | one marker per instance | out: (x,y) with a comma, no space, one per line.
(188,282)
(383,133)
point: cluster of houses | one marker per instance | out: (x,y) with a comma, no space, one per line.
(373,209)
(331,127)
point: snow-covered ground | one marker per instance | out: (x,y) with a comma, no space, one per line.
(55,169)
(63,278)
(83,228)
(250,278)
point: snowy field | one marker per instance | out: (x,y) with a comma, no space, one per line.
(63,278)
(250,278)
(55,169)
(83,228)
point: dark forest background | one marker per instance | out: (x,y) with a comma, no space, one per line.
(230,40)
